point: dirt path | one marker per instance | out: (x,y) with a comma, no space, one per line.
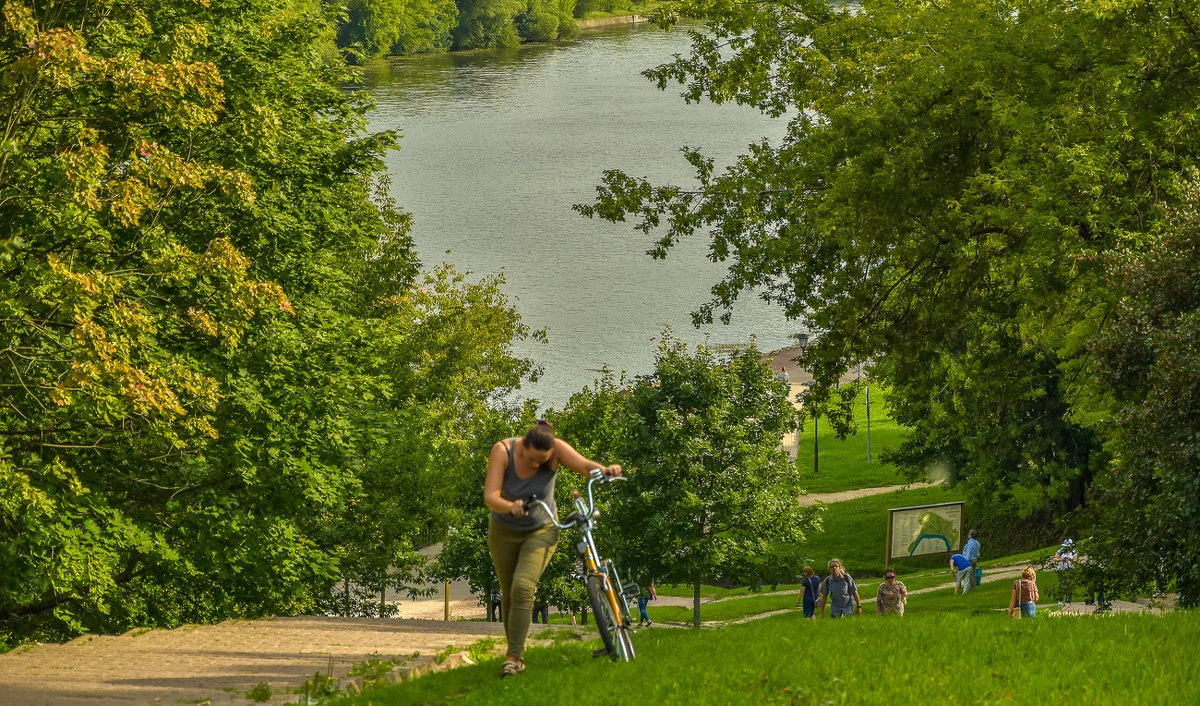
(814,498)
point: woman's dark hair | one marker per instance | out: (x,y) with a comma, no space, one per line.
(541,437)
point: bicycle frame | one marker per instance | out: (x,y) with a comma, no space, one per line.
(610,600)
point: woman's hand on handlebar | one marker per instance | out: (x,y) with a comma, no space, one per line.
(517,509)
(613,471)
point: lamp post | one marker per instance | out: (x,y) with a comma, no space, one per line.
(802,343)
(868,414)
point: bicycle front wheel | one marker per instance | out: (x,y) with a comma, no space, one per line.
(614,633)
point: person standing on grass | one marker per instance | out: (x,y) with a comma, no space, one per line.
(1024,595)
(962,570)
(520,540)
(495,615)
(810,588)
(1065,564)
(892,596)
(971,552)
(841,592)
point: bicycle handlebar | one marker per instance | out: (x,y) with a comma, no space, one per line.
(575,518)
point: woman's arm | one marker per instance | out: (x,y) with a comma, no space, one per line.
(497,463)
(569,457)
(1013,601)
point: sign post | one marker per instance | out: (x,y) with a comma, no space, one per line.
(921,530)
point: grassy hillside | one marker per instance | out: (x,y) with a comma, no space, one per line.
(843,464)
(943,656)
(856,532)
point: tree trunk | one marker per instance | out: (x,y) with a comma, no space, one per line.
(696,602)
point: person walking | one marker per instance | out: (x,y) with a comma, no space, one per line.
(892,596)
(971,551)
(1024,595)
(645,595)
(810,588)
(840,591)
(522,540)
(495,615)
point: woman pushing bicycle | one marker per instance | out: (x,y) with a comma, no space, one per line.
(522,541)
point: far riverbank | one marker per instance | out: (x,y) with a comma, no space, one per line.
(603,22)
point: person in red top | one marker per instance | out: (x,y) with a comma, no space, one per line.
(1024,594)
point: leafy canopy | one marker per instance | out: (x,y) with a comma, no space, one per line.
(951,176)
(225,386)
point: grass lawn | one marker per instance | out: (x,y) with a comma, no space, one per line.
(843,464)
(953,656)
(855,531)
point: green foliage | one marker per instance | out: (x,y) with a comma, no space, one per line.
(547,20)
(372,28)
(261,693)
(487,23)
(843,461)
(373,671)
(950,175)
(1148,370)
(855,531)
(426,27)
(852,661)
(225,387)
(589,8)
(710,492)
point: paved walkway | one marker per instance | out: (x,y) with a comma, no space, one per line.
(198,664)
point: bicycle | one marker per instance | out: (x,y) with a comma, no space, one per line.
(609,598)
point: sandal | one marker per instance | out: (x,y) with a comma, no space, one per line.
(511,668)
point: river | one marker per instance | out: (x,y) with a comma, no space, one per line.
(497,145)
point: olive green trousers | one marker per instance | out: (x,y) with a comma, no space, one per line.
(520,558)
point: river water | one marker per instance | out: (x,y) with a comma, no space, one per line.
(497,145)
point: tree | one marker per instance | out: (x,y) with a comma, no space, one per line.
(426,27)
(711,494)
(949,173)
(215,349)
(487,23)
(546,21)
(372,28)
(1148,370)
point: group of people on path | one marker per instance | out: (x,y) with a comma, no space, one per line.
(522,541)
(839,591)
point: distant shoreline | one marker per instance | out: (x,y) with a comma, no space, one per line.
(604,22)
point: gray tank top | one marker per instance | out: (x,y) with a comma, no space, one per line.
(516,488)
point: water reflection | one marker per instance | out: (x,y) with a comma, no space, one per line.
(497,146)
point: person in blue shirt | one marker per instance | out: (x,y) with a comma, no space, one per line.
(810,590)
(971,552)
(962,567)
